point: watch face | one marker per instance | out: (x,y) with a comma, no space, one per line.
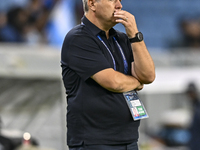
(140,36)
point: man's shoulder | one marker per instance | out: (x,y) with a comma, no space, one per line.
(74,33)
(79,29)
(120,34)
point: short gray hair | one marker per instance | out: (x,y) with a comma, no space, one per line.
(85,6)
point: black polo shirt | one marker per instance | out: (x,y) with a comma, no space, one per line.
(94,114)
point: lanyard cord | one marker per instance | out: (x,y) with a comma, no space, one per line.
(108,51)
(123,56)
(121,51)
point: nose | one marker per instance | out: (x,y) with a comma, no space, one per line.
(118,4)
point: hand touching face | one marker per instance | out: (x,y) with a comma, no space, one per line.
(128,20)
(105,10)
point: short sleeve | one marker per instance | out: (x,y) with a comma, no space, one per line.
(83,55)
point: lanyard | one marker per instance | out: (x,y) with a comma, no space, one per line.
(121,51)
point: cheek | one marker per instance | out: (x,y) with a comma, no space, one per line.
(105,12)
(109,13)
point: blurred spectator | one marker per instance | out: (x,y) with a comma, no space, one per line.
(174,124)
(13,25)
(26,24)
(190,31)
(180,128)
(6,5)
(39,12)
(3,22)
(194,129)
(38,21)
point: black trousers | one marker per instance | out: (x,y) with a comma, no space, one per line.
(132,146)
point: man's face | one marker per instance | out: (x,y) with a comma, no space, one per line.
(105,10)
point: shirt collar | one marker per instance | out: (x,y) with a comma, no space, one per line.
(95,30)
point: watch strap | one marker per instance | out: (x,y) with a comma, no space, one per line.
(138,38)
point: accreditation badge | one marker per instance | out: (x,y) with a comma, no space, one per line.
(135,105)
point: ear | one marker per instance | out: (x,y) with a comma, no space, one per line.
(92,4)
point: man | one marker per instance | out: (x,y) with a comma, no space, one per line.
(99,65)
(193,95)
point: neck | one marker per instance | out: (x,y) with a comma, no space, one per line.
(107,34)
(98,23)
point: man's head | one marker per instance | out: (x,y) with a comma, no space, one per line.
(101,12)
(86,6)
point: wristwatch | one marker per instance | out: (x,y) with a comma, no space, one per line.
(138,38)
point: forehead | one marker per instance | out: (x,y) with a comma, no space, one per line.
(108,1)
(112,0)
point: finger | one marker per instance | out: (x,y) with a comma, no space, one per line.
(124,19)
(121,12)
(121,18)
(119,15)
(121,21)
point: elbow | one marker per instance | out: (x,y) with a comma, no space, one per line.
(148,79)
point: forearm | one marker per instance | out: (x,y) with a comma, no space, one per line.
(116,82)
(143,67)
(125,83)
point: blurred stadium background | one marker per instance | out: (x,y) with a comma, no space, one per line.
(32,97)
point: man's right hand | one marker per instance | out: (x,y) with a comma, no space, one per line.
(140,87)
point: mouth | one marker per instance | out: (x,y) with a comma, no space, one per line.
(114,13)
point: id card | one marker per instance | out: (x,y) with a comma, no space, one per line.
(135,105)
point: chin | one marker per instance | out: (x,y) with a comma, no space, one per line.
(115,23)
